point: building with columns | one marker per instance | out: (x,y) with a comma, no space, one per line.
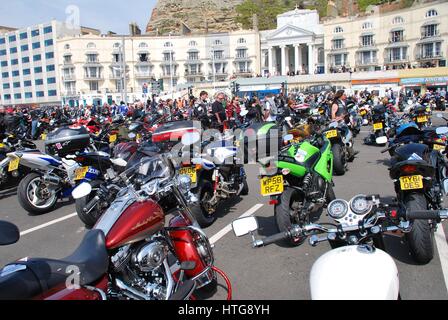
(297,45)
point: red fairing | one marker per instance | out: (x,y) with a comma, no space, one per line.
(170,135)
(185,247)
(62,293)
(138,222)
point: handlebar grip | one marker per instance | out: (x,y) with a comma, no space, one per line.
(275,238)
(424,215)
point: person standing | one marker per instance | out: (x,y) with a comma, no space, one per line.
(218,111)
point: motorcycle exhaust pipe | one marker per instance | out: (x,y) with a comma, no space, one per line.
(130,292)
(54,180)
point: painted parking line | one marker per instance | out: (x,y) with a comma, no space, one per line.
(442,248)
(45,225)
(228,228)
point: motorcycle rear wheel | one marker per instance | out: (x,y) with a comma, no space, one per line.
(204,193)
(28,199)
(339,161)
(89,219)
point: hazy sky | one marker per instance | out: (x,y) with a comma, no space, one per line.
(106,15)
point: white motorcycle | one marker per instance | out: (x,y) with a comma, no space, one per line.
(358,268)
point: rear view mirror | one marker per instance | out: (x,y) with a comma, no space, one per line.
(381,140)
(244,226)
(442,131)
(288,137)
(81,191)
(190,138)
(9,233)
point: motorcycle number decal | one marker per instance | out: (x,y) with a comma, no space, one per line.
(378,126)
(331,134)
(301,156)
(80,173)
(411,183)
(14,164)
(422,119)
(113,138)
(272,186)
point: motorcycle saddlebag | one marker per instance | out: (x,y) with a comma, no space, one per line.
(66,140)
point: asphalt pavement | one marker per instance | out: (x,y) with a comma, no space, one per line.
(270,273)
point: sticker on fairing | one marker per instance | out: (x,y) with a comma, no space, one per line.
(301,156)
(415,157)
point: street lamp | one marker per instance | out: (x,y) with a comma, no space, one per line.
(171,67)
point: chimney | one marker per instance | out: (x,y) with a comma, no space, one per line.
(134,29)
(255,22)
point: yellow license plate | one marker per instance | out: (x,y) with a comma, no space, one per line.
(331,134)
(80,173)
(272,185)
(411,183)
(2,145)
(438,147)
(378,126)
(44,136)
(14,164)
(113,138)
(363,113)
(422,119)
(139,136)
(190,172)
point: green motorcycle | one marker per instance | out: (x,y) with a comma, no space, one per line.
(300,184)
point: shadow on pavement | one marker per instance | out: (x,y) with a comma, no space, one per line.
(6,193)
(60,204)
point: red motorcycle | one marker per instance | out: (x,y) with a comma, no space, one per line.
(130,252)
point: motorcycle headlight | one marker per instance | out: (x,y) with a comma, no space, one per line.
(337,209)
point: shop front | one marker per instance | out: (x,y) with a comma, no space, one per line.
(423,84)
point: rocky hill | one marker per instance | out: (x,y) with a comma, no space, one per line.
(198,15)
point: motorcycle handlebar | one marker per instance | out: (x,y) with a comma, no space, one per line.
(272,239)
(427,215)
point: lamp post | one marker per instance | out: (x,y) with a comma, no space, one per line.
(171,67)
(213,68)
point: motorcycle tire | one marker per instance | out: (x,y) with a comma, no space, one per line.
(283,217)
(245,191)
(91,218)
(339,162)
(204,193)
(421,238)
(26,203)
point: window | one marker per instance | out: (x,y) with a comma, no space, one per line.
(2,40)
(50,68)
(7,97)
(218,55)
(16,85)
(13,50)
(91,45)
(40,94)
(193,43)
(338,43)
(169,56)
(36,45)
(3,52)
(117,58)
(24,47)
(367,41)
(28,95)
(35,33)
(26,72)
(4,63)
(17,96)
(397,36)
(49,55)
(39,82)
(5,75)
(16,73)
(48,29)
(25,59)
(14,62)
(51,80)
(143,57)
(38,70)
(218,42)
(6,86)
(67,47)
(168,45)
(338,30)
(241,53)
(367,25)
(93,85)
(193,56)
(37,57)
(116,45)
(92,58)
(431,13)
(143,45)
(23,36)
(430,31)
(241,41)
(48,42)
(398,20)
(12,38)
(52,93)
(27,83)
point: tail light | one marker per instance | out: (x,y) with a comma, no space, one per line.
(273,202)
(408,169)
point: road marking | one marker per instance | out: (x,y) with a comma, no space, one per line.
(228,228)
(42,226)
(442,247)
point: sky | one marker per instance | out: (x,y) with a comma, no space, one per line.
(106,15)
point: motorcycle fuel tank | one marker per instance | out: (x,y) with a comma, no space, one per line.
(139,221)
(355,273)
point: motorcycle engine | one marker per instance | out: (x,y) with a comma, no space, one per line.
(142,270)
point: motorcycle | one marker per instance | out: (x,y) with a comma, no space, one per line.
(129,254)
(357,247)
(379,136)
(421,116)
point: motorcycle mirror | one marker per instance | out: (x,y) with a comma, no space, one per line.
(439,115)
(132,135)
(288,118)
(442,131)
(244,113)
(190,138)
(9,233)
(288,137)
(119,162)
(244,226)
(81,191)
(381,140)
(445,186)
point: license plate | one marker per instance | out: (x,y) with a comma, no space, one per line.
(422,119)
(2,145)
(139,136)
(190,172)
(14,164)
(44,136)
(80,173)
(411,183)
(378,126)
(272,185)
(438,147)
(113,138)
(363,113)
(331,134)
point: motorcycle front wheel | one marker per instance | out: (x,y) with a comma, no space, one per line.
(201,212)
(34,196)
(91,218)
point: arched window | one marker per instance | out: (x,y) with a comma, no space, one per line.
(367,25)
(338,30)
(116,45)
(241,41)
(91,45)
(431,13)
(218,42)
(67,47)
(193,43)
(398,20)
(143,45)
(168,45)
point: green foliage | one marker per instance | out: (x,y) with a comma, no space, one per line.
(363,4)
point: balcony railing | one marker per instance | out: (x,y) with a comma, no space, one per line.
(336,48)
(429,56)
(242,57)
(68,77)
(396,40)
(93,77)
(144,75)
(366,62)
(194,74)
(368,44)
(168,76)
(426,35)
(70,94)
(396,59)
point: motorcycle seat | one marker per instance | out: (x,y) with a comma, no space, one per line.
(88,263)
